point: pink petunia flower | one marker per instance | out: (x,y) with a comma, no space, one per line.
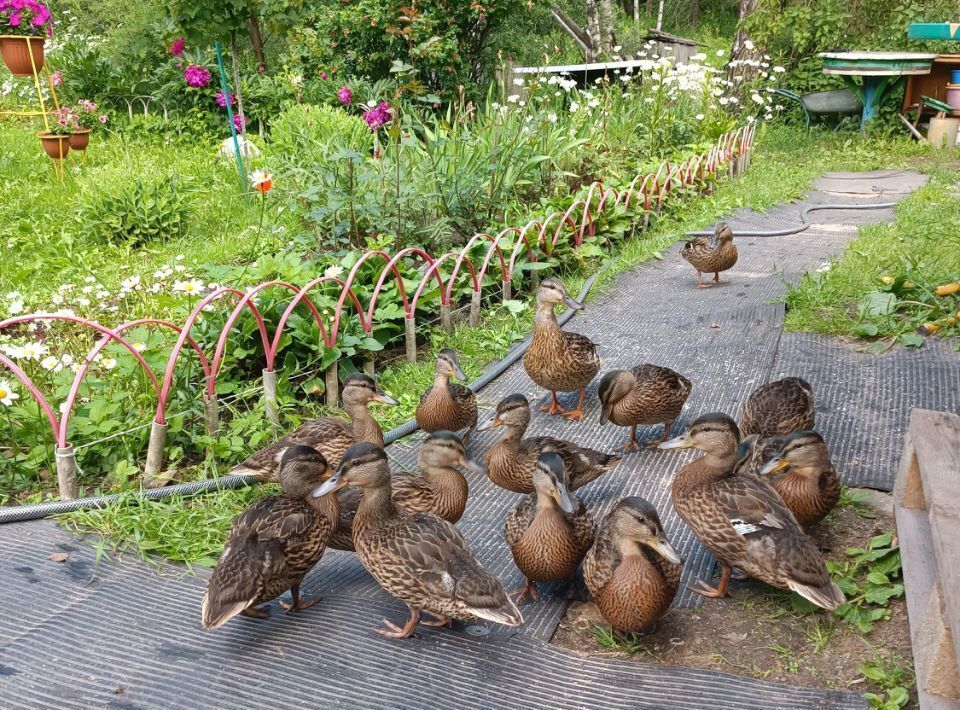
(102,118)
(344,96)
(57,78)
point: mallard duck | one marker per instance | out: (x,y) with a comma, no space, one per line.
(419,558)
(550,530)
(274,543)
(440,488)
(330,436)
(801,472)
(711,254)
(448,405)
(557,360)
(778,407)
(512,460)
(742,520)
(632,570)
(646,394)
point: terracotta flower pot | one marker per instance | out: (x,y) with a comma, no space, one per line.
(56,146)
(16,54)
(80,139)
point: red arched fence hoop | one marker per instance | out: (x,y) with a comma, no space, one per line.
(645,193)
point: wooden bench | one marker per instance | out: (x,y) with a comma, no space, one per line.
(927,509)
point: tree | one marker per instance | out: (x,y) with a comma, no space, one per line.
(743,51)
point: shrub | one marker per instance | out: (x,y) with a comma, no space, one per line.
(304,133)
(135,211)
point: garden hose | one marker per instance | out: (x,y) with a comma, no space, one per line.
(17,514)
(12,514)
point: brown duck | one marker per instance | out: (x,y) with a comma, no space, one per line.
(742,520)
(801,472)
(646,394)
(328,435)
(632,570)
(274,543)
(550,530)
(440,488)
(448,405)
(557,360)
(512,460)
(711,254)
(778,407)
(417,557)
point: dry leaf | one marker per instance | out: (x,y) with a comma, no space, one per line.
(59,556)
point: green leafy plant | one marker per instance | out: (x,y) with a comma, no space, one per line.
(870,579)
(135,210)
(894,676)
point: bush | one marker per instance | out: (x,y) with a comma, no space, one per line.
(300,131)
(135,211)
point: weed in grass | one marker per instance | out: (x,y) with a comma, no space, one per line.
(894,675)
(623,643)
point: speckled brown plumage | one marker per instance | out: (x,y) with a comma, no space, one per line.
(632,583)
(328,435)
(273,543)
(801,472)
(779,407)
(440,488)
(557,360)
(711,254)
(646,394)
(550,530)
(512,460)
(448,405)
(742,520)
(417,557)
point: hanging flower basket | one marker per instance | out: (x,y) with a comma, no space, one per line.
(16,53)
(56,145)
(80,138)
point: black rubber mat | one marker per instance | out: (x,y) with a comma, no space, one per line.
(122,636)
(118,635)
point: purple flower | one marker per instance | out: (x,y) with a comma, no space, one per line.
(344,95)
(57,78)
(102,118)
(222,101)
(15,19)
(323,75)
(176,49)
(378,117)
(196,76)
(239,121)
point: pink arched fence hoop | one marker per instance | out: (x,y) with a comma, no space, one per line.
(644,193)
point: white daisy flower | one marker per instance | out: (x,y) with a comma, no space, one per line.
(7,395)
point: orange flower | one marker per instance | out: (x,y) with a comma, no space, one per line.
(262,181)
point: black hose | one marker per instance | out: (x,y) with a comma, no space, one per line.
(805,222)
(16,514)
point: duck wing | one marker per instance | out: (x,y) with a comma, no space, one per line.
(601,561)
(412,493)
(315,433)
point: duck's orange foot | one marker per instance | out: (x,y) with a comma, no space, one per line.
(528,590)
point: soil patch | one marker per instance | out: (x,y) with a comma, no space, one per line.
(756,632)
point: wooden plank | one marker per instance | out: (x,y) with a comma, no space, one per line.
(936,442)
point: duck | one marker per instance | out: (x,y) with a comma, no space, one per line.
(632,570)
(418,557)
(711,254)
(557,360)
(779,407)
(274,543)
(801,472)
(742,520)
(448,405)
(511,462)
(645,394)
(331,436)
(550,530)
(440,488)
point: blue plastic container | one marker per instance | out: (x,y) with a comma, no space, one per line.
(955,76)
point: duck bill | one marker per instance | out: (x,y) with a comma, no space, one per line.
(662,546)
(562,495)
(458,372)
(604,414)
(572,302)
(681,442)
(489,424)
(329,486)
(773,465)
(384,398)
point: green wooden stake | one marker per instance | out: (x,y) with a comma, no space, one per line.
(241,168)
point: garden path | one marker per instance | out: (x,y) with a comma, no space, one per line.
(78,634)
